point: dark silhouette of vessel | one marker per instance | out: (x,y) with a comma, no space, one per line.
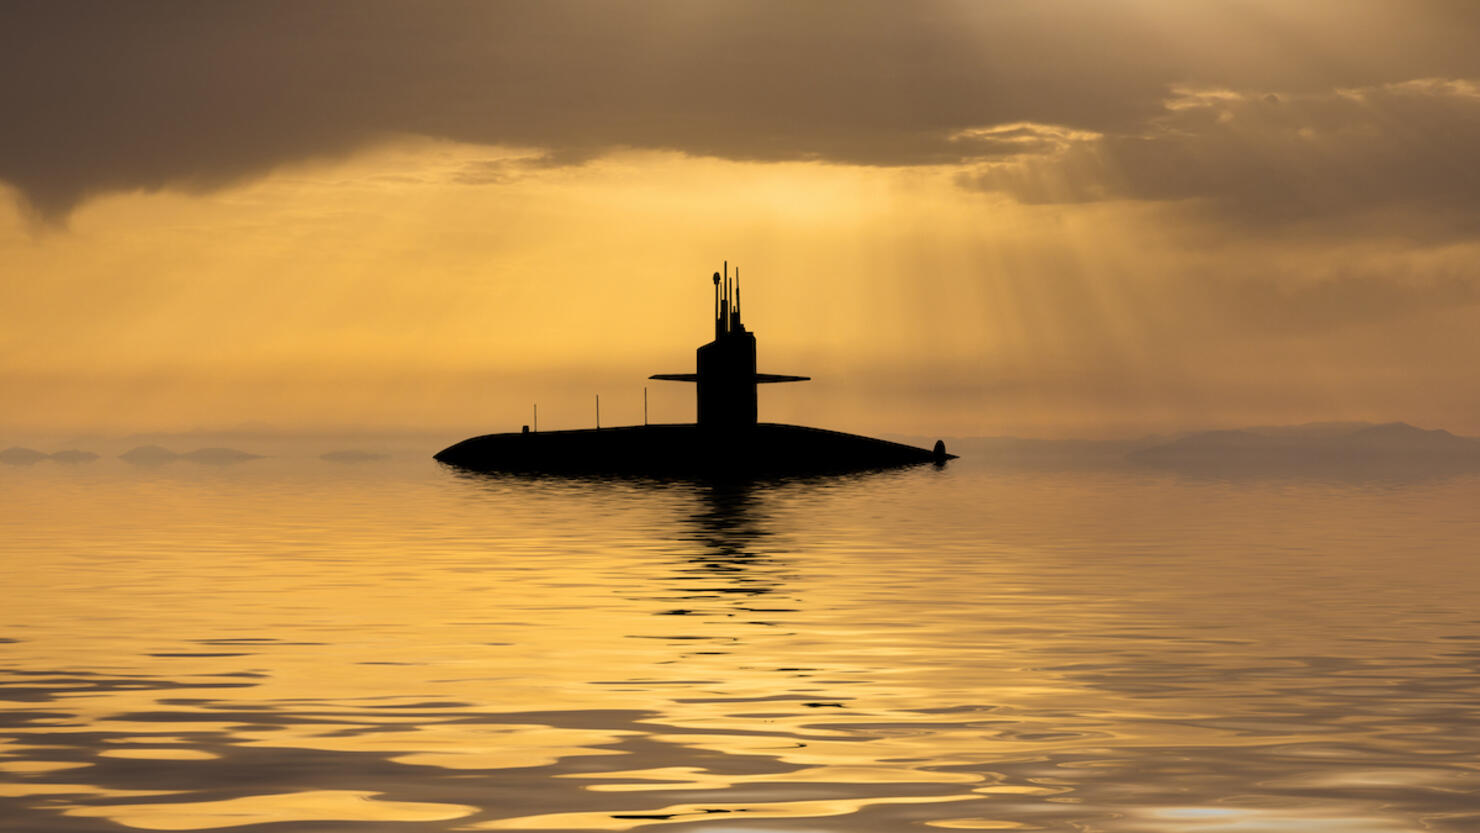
(727,439)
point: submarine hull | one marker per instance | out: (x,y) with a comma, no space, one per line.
(767,449)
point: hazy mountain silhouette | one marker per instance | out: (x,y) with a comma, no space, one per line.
(17,456)
(1307,429)
(1394,445)
(74,456)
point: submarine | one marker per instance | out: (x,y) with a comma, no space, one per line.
(726,441)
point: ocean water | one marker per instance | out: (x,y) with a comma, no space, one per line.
(290,644)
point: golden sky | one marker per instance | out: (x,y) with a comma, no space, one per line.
(1043,218)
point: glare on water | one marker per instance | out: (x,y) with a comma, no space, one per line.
(293,641)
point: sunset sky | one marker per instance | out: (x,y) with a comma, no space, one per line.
(1048,218)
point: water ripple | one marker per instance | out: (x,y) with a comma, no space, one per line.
(294,649)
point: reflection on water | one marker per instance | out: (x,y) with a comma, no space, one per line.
(397,646)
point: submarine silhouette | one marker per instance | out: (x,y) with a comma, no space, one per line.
(726,441)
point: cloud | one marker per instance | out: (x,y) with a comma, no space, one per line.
(1264,157)
(104,98)
(504,170)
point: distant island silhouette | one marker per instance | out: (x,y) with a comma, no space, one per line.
(149,455)
(220,456)
(726,440)
(17,456)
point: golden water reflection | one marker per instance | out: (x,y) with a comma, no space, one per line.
(965,648)
(310,805)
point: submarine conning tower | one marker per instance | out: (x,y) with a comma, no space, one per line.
(726,377)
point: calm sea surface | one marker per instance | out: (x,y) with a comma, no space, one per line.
(298,645)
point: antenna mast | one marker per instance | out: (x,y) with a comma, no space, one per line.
(717,310)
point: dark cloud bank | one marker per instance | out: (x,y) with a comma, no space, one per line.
(1267,159)
(1051,100)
